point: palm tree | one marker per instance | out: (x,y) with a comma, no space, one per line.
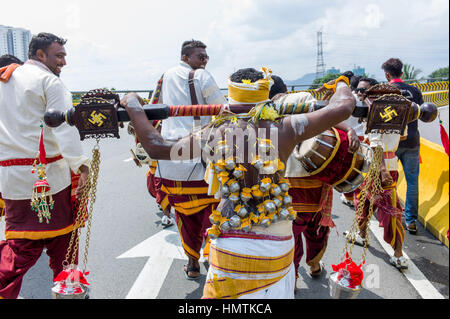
(410,73)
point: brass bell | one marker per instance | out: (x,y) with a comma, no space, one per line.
(219,169)
(287,200)
(246,225)
(230,164)
(274,218)
(270,207)
(234,197)
(235,222)
(284,187)
(234,186)
(225,191)
(284,214)
(243,212)
(265,222)
(258,164)
(276,190)
(237,173)
(264,187)
(225,226)
(278,202)
(246,195)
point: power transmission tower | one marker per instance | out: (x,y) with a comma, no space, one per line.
(320,67)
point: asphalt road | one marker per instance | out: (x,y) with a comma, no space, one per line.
(132,256)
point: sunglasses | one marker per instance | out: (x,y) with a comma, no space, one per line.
(361,90)
(203,57)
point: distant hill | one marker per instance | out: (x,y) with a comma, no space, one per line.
(306,79)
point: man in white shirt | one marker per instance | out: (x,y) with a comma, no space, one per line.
(26,92)
(188,83)
(361,85)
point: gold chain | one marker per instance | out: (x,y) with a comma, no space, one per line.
(371,187)
(89,194)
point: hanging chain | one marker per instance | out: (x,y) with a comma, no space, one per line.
(371,189)
(88,195)
(95,168)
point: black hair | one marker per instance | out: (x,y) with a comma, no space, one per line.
(277,87)
(394,67)
(354,81)
(371,81)
(8,59)
(43,41)
(188,46)
(246,74)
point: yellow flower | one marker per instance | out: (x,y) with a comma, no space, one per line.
(269,113)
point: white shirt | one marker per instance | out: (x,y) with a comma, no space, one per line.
(175,91)
(354,123)
(293,166)
(30,92)
(389,143)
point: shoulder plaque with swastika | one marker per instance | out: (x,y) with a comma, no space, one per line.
(389,113)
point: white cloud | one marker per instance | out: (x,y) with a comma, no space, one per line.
(129,45)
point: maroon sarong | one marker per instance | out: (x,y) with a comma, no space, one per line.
(193,206)
(316,238)
(23,223)
(388,212)
(312,201)
(26,238)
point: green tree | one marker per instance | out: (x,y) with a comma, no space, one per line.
(441,73)
(410,72)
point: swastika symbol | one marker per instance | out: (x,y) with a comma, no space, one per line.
(388,114)
(97,118)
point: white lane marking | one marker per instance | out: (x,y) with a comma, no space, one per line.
(162,248)
(413,274)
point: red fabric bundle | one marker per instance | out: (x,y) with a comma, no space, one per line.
(355,274)
(72,275)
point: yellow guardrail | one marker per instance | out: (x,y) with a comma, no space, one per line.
(439,98)
(432,86)
(433,189)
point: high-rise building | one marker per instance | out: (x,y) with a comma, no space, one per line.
(14,41)
(357,70)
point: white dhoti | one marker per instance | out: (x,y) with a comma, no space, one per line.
(256,265)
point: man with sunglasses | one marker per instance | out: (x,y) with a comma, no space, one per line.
(182,182)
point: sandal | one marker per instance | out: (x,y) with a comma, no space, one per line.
(358,239)
(399,263)
(317,273)
(188,269)
(167,222)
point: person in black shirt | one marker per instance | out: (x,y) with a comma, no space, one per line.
(409,149)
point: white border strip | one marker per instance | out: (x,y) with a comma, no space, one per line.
(423,286)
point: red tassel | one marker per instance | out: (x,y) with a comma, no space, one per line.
(444,138)
(42,153)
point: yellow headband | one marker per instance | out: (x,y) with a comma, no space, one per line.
(251,92)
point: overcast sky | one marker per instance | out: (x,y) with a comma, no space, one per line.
(129,44)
